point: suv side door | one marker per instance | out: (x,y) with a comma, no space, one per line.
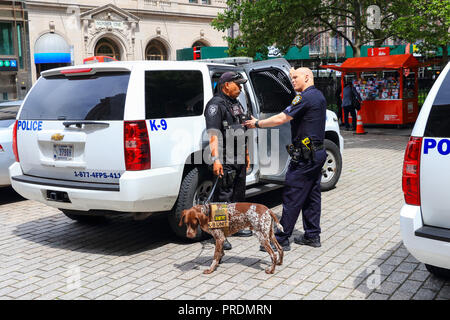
(272,92)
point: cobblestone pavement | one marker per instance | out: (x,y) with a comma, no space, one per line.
(44,255)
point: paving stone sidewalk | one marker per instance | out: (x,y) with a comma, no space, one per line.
(44,255)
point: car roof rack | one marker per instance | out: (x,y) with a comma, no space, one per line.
(237,61)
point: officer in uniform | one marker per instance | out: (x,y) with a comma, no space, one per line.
(307,114)
(225,118)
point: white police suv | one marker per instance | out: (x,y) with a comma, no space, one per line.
(425,216)
(130,136)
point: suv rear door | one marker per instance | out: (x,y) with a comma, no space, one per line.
(71,125)
(273,92)
(435,158)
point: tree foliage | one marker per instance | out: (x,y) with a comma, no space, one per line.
(297,22)
(423,21)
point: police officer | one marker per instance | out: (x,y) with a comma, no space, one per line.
(307,114)
(225,117)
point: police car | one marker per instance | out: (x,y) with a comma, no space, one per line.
(130,136)
(425,216)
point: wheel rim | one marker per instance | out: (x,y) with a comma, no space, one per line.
(329,167)
(202,192)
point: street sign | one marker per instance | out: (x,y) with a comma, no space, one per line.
(8,65)
(382,51)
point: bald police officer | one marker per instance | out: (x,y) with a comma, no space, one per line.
(307,114)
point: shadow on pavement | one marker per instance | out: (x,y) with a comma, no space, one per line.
(398,276)
(8,195)
(118,236)
(206,255)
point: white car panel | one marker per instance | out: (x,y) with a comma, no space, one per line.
(429,251)
(425,229)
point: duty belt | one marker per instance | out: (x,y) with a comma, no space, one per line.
(304,150)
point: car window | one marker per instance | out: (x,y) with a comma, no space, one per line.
(96,97)
(174,93)
(438,124)
(273,90)
(8,112)
(243,97)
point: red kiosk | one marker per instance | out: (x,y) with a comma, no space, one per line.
(388,86)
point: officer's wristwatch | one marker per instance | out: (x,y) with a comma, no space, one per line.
(256,124)
(214,158)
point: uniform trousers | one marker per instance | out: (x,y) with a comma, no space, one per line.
(302,193)
(236,191)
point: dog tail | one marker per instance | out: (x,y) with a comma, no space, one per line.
(274,217)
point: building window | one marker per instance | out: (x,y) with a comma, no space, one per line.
(6,39)
(202,1)
(107,47)
(199,44)
(156,51)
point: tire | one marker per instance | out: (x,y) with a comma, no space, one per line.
(81,217)
(194,189)
(332,168)
(439,272)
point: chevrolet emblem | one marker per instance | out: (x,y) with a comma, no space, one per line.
(57,137)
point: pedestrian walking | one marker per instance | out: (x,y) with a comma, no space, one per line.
(307,115)
(351,102)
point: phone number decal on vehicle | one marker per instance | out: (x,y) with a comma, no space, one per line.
(97,175)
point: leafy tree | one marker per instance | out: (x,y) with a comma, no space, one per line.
(423,21)
(286,22)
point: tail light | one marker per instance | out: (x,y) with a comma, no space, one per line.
(137,145)
(16,153)
(411,171)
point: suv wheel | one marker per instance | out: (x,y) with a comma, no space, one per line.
(438,271)
(331,170)
(194,189)
(83,218)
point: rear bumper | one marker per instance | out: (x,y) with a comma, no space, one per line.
(426,244)
(139,191)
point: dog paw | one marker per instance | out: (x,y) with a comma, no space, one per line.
(270,271)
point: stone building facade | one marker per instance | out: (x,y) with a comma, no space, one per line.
(66,33)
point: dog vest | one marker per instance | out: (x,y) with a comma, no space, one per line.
(219,216)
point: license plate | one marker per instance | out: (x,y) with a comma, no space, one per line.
(63,152)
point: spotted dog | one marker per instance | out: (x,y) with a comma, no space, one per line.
(242,215)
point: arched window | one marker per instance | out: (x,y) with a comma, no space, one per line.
(156,51)
(199,44)
(107,47)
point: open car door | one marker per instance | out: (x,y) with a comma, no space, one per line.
(272,93)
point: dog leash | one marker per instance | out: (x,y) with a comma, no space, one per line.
(212,191)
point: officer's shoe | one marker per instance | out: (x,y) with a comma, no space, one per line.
(286,247)
(243,233)
(312,242)
(227,245)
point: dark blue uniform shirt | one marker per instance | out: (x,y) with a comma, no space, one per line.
(309,115)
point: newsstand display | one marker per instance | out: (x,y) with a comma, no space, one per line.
(387,85)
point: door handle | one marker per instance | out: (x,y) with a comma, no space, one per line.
(79,124)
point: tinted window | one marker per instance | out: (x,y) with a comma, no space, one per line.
(171,94)
(8,115)
(438,124)
(8,112)
(97,97)
(273,90)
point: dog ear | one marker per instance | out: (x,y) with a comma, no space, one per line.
(183,213)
